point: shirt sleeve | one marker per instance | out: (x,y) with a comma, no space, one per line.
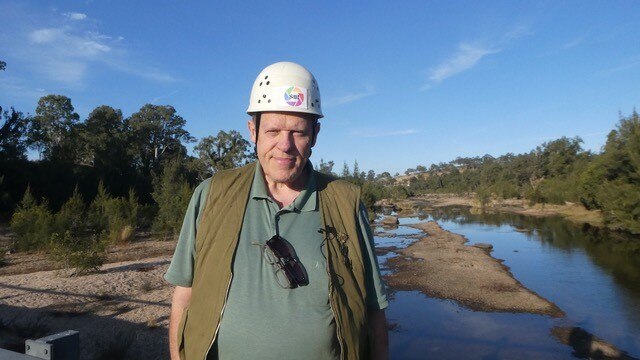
(376,292)
(180,272)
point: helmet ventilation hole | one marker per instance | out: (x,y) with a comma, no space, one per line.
(258,101)
(264,96)
(260,83)
(269,100)
(268,82)
(266,77)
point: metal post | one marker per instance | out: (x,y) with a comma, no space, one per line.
(60,346)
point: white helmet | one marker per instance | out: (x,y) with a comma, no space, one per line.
(285,86)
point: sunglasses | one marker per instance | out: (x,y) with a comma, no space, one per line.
(290,273)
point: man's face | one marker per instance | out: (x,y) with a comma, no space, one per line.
(284,144)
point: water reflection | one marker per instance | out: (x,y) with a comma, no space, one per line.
(591,274)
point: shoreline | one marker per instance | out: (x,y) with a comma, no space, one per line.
(573,212)
(442,265)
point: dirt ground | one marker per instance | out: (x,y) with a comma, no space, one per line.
(440,265)
(121,312)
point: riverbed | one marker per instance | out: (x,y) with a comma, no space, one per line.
(591,275)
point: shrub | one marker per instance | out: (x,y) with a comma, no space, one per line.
(399,192)
(483,196)
(172,194)
(32,223)
(83,254)
(117,216)
(72,215)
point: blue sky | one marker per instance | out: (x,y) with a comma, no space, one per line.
(403,82)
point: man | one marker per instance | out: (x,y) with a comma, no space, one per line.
(275,260)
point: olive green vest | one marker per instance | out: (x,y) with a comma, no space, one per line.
(216,240)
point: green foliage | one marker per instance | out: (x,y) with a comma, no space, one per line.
(52,128)
(326,167)
(157,133)
(172,194)
(612,181)
(483,196)
(118,217)
(224,151)
(372,192)
(32,222)
(399,192)
(81,253)
(12,142)
(72,216)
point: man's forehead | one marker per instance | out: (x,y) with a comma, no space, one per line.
(277,119)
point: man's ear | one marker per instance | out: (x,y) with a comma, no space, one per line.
(316,130)
(252,130)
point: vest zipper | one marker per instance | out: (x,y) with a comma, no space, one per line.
(331,304)
(215,334)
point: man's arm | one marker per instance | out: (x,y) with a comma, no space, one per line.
(180,301)
(378,334)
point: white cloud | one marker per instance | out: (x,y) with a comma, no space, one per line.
(370,134)
(68,53)
(575,42)
(469,55)
(628,64)
(351,97)
(466,57)
(75,15)
(44,36)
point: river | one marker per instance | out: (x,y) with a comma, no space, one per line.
(592,275)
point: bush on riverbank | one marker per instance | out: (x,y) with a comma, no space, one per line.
(556,172)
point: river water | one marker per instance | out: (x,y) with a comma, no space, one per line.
(592,275)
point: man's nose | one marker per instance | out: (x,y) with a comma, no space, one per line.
(286,141)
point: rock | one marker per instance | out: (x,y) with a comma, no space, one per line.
(484,246)
(390,220)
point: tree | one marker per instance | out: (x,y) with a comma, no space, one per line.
(157,132)
(371,175)
(51,129)
(326,167)
(421,168)
(3,65)
(104,139)
(356,170)
(345,170)
(612,181)
(12,131)
(224,151)
(557,156)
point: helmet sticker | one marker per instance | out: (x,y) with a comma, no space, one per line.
(294,96)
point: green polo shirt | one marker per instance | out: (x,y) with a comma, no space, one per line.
(261,319)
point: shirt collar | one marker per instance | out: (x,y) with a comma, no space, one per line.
(307,200)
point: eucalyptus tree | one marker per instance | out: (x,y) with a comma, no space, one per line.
(157,132)
(53,128)
(226,150)
(12,129)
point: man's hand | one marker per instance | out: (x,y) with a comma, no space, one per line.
(180,301)
(379,335)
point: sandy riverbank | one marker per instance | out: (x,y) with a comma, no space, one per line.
(440,265)
(573,212)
